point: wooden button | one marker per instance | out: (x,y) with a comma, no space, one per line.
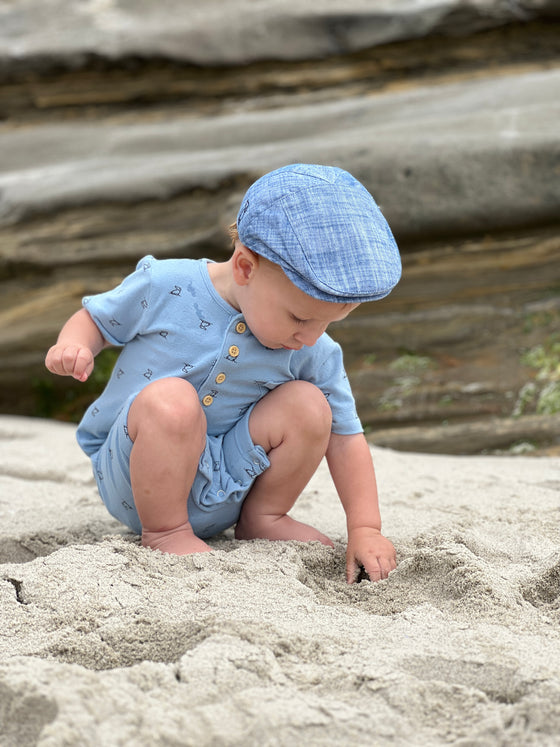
(207,401)
(240,327)
(234,351)
(220,378)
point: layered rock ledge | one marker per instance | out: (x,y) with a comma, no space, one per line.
(124,134)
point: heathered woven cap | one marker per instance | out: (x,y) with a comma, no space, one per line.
(324,229)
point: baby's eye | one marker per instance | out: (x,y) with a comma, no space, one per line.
(297,320)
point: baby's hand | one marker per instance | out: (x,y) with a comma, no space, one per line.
(70,360)
(370,550)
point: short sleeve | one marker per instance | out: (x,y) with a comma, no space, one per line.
(325,369)
(120,313)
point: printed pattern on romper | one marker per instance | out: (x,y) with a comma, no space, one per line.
(172,322)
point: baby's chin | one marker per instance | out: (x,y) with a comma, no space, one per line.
(269,345)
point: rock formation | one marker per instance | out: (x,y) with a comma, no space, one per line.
(125,133)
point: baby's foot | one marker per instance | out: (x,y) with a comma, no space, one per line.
(281,527)
(179,541)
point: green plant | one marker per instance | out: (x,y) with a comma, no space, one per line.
(410,363)
(545,360)
(549,399)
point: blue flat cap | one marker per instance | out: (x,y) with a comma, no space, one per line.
(324,229)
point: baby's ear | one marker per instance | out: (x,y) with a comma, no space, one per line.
(244,263)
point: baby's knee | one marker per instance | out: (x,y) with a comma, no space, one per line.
(309,406)
(171,404)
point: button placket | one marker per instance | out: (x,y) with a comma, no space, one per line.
(233,352)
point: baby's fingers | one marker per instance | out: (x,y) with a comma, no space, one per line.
(380,568)
(83,365)
(370,566)
(70,360)
(353,570)
(371,569)
(53,361)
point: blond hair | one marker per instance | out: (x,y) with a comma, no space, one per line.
(233,233)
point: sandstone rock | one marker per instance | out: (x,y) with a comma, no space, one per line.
(465,157)
(512,435)
(219,32)
(118,140)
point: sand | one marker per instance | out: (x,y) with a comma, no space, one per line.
(103,642)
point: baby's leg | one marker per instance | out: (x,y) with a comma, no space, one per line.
(168,428)
(293,425)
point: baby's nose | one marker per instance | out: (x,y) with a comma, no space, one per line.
(309,336)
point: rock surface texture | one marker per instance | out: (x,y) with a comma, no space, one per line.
(127,131)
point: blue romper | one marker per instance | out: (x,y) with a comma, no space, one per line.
(173,323)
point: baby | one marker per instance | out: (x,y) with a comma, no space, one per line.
(228,392)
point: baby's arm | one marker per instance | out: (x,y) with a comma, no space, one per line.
(78,343)
(351,467)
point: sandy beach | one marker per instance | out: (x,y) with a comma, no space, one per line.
(103,642)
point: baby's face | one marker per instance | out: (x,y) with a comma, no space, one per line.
(280,315)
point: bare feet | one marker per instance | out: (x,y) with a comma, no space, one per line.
(179,541)
(280,527)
